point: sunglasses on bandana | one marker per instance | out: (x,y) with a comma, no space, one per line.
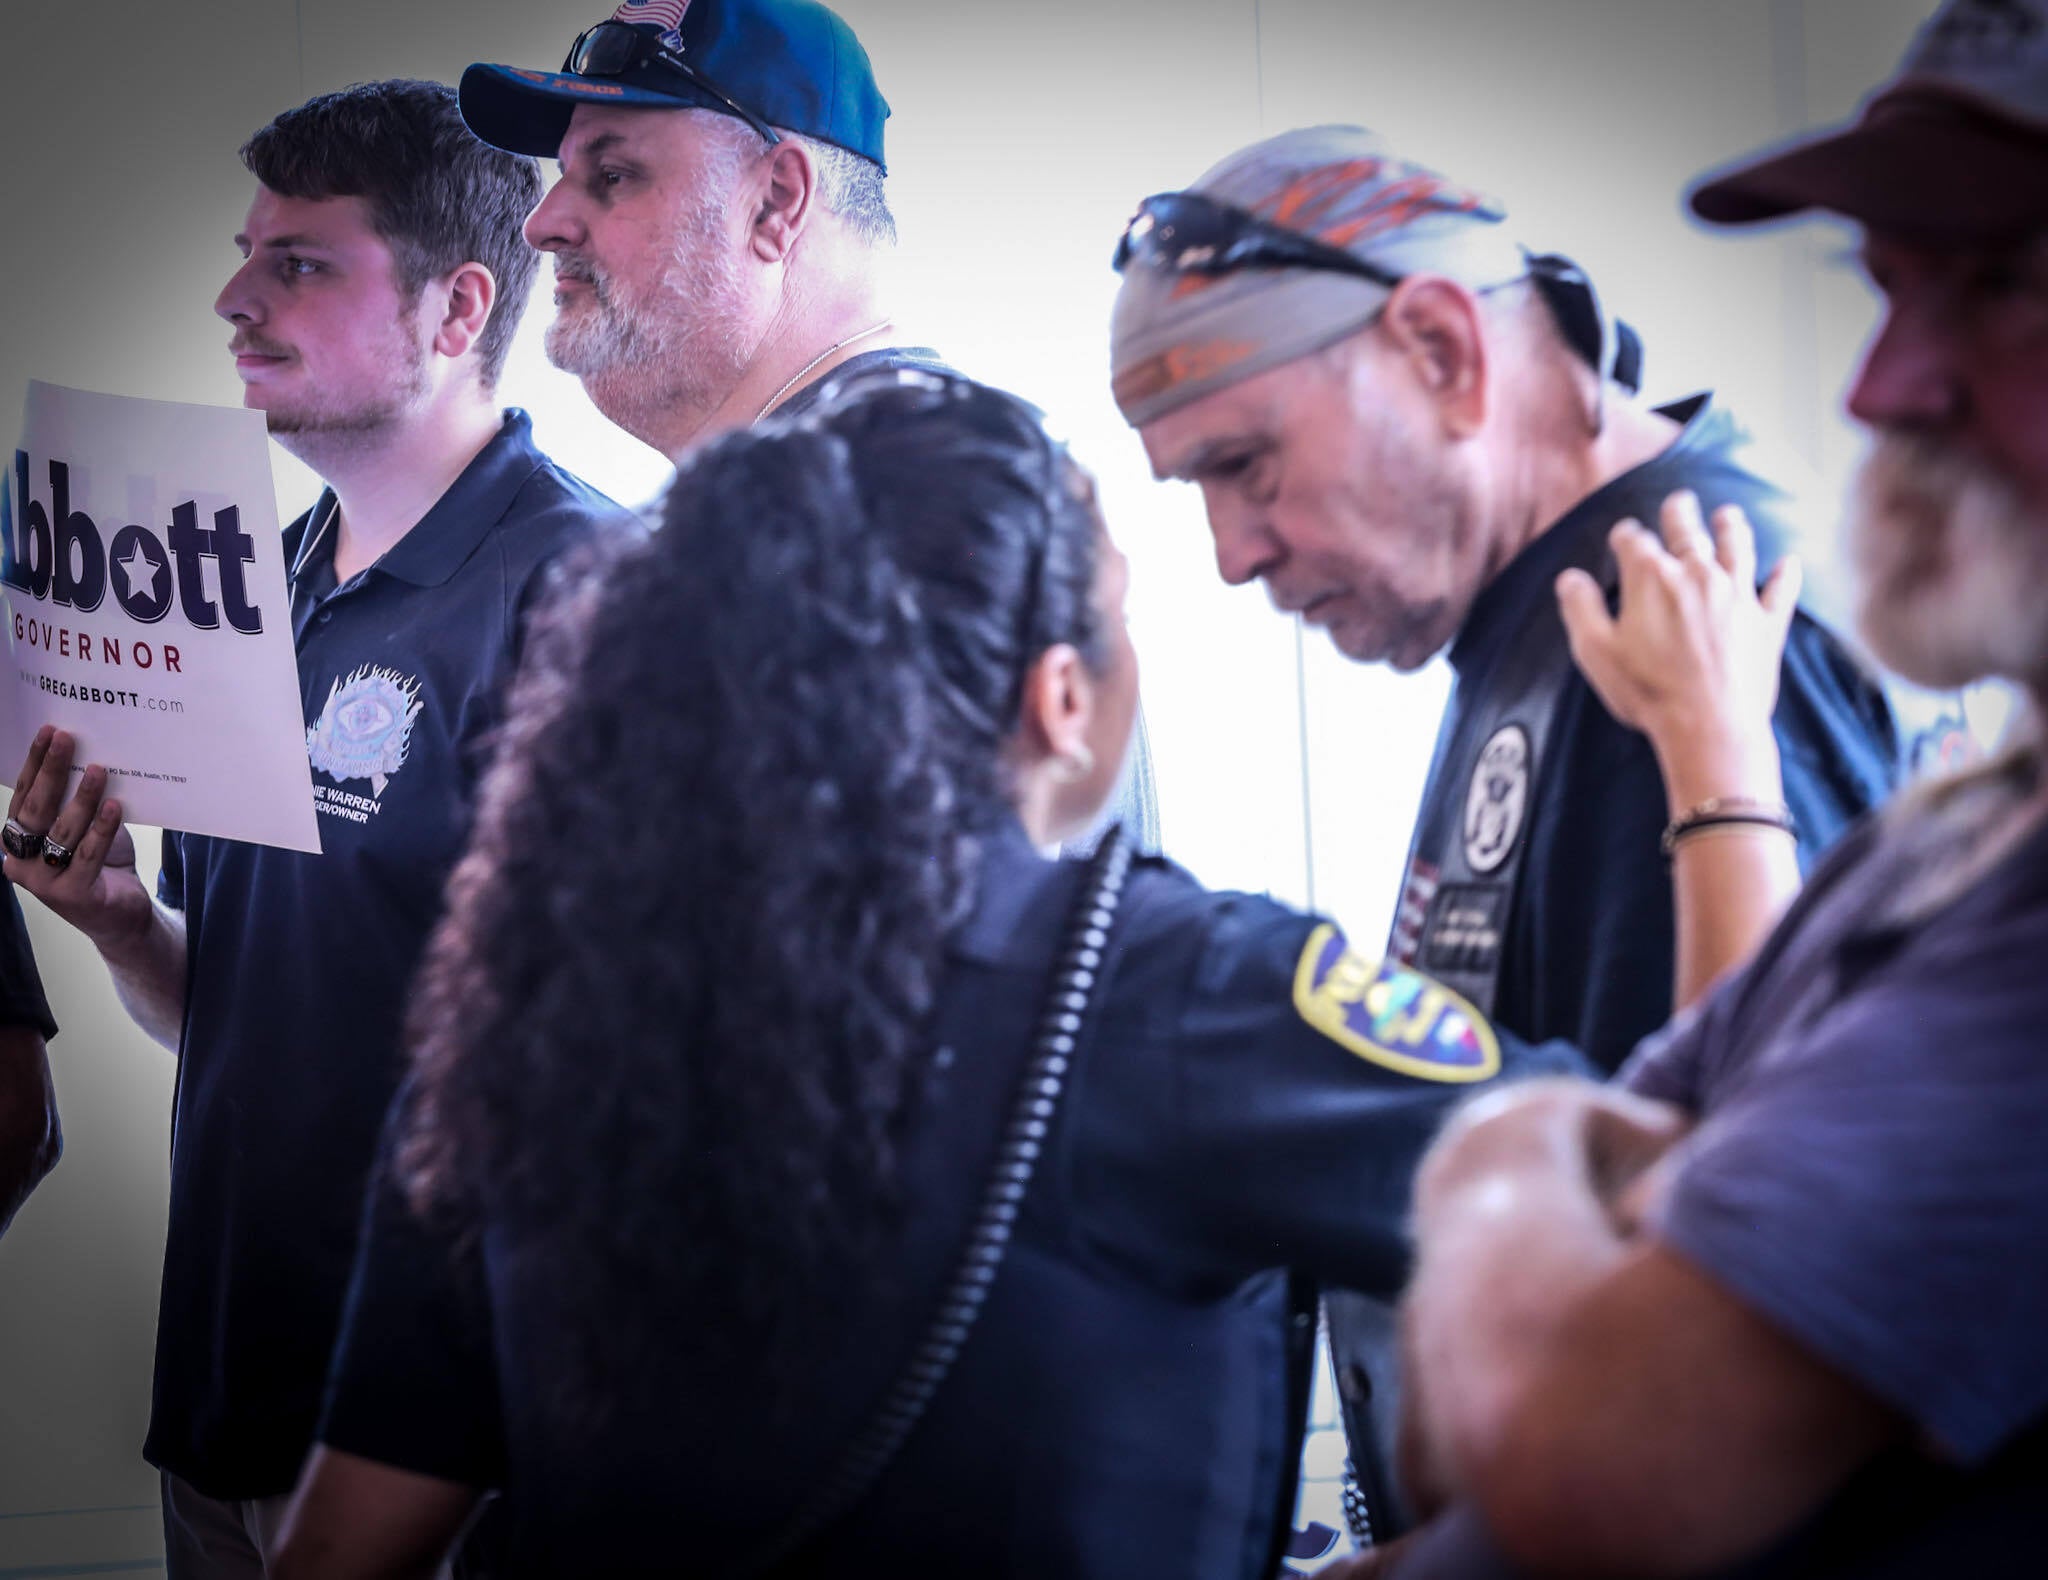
(612,49)
(1188,233)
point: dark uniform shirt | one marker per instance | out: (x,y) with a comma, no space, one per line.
(1254,1098)
(298,964)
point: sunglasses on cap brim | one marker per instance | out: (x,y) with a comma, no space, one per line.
(612,49)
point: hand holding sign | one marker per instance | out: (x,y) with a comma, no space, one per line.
(95,887)
(142,581)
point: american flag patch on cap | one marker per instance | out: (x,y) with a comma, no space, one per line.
(664,14)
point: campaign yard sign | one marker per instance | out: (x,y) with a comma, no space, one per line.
(142,579)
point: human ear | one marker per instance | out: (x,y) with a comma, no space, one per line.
(471,294)
(1057,707)
(1437,325)
(786,201)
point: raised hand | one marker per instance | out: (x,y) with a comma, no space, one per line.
(1691,658)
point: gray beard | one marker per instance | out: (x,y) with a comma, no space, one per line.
(1951,566)
(678,354)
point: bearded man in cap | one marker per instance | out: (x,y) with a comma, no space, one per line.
(1791,1283)
(1408,426)
(721,218)
(720,225)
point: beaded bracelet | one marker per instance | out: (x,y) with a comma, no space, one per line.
(1727,812)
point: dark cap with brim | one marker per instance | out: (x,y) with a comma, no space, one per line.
(527,112)
(793,64)
(1954,146)
(1920,161)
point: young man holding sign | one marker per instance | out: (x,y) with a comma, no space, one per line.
(383,277)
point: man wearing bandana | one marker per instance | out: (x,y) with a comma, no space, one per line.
(1791,1279)
(1408,426)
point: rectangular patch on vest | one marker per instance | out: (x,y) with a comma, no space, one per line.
(1464,929)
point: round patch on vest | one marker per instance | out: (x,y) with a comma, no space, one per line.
(1391,1015)
(1497,799)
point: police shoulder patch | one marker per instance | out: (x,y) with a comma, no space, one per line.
(1391,1015)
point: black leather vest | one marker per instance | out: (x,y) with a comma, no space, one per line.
(1471,840)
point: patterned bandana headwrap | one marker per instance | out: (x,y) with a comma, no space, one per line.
(1176,337)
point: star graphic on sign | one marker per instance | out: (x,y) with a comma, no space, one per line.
(159,574)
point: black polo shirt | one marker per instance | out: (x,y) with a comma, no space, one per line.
(298,965)
(21,988)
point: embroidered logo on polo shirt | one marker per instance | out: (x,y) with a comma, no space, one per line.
(1497,798)
(365,727)
(1390,1015)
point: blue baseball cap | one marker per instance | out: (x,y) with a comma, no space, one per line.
(791,64)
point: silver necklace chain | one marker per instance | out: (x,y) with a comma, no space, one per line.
(802,372)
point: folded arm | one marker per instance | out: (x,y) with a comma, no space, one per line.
(1607,1407)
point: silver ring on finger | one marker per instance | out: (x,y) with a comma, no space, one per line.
(19,842)
(56,855)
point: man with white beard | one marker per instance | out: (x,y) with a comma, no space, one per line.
(720,224)
(721,217)
(1779,1300)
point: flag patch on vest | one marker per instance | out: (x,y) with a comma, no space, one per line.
(1390,1015)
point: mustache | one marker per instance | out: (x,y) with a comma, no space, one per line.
(1925,477)
(245,344)
(574,266)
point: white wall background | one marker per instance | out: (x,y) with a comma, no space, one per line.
(1023,136)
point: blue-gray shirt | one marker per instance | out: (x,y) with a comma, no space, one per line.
(1868,1175)
(1869,1172)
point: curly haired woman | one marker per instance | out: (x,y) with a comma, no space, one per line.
(719,1054)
